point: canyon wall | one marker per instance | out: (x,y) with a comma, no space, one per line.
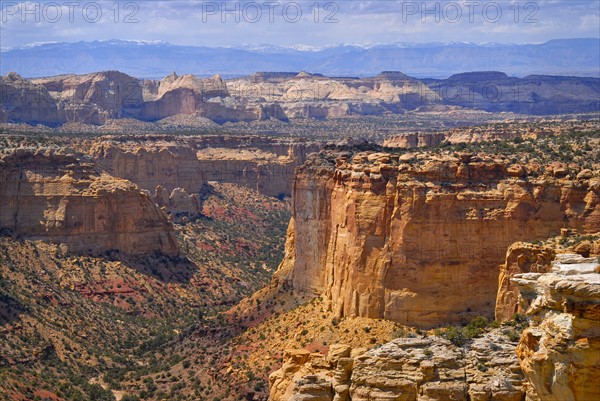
(420,241)
(59,198)
(265,165)
(99,97)
(560,351)
(491,132)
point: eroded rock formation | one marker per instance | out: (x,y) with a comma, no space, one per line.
(263,164)
(97,98)
(492,132)
(420,241)
(406,369)
(560,351)
(100,97)
(59,198)
(521,257)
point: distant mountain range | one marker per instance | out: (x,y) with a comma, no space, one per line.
(155,59)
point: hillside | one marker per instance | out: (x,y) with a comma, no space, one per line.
(158,325)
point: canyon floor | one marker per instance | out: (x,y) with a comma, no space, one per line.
(218,269)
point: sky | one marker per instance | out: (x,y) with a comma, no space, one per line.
(311,23)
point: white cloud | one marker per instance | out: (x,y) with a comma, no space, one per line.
(201,22)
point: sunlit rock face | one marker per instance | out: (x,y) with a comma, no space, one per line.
(406,369)
(560,351)
(421,241)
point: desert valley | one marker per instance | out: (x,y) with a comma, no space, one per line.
(190,239)
(300,200)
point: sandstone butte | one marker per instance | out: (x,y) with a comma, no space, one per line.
(421,243)
(560,351)
(61,199)
(99,97)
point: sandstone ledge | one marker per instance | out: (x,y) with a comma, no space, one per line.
(406,369)
(560,351)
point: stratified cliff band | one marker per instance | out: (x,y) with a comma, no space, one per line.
(420,241)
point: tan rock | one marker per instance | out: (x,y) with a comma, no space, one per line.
(560,352)
(190,164)
(585,174)
(338,351)
(410,369)
(58,198)
(520,258)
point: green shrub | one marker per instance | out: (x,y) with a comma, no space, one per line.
(456,336)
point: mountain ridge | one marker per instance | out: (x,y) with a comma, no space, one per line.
(579,57)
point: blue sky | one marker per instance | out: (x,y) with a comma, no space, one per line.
(284,23)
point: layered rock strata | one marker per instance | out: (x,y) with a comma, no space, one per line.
(491,132)
(262,164)
(405,369)
(100,97)
(59,198)
(420,241)
(560,351)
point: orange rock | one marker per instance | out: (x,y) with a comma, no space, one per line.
(520,258)
(421,246)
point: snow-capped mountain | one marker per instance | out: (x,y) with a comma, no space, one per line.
(434,60)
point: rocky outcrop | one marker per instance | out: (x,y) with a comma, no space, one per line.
(491,132)
(415,140)
(24,101)
(406,369)
(521,257)
(59,198)
(315,96)
(381,238)
(179,201)
(100,97)
(560,351)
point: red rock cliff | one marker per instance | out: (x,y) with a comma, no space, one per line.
(421,242)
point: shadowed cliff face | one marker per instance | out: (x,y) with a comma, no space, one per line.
(57,197)
(421,242)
